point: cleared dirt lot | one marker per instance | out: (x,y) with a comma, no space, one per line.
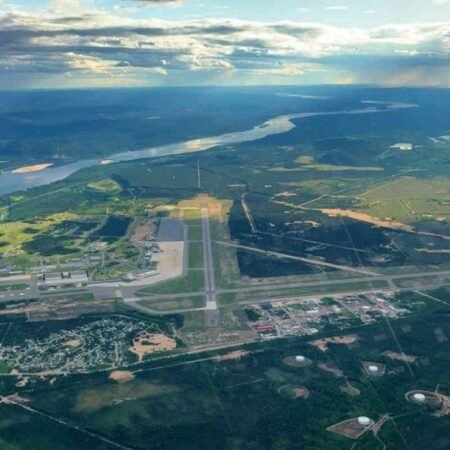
(147,343)
(121,376)
(322,344)
(384,223)
(350,428)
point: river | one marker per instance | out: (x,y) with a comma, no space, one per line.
(12,182)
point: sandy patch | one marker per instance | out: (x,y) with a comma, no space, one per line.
(350,428)
(34,168)
(328,367)
(13,278)
(445,410)
(322,344)
(23,382)
(301,392)
(121,376)
(143,231)
(399,356)
(350,390)
(312,223)
(384,223)
(49,373)
(148,343)
(15,398)
(237,354)
(286,194)
(304,160)
(72,343)
(217,209)
(293,392)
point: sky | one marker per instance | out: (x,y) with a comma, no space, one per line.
(120,43)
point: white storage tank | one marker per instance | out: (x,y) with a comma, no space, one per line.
(364,421)
(418,397)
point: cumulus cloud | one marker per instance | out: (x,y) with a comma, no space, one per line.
(66,6)
(337,8)
(78,42)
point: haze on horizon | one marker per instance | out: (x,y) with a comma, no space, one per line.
(119,43)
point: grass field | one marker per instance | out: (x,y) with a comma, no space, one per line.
(192,282)
(106,185)
(175,305)
(267,294)
(443,280)
(409,200)
(400,270)
(308,162)
(194,321)
(14,234)
(13,287)
(226,268)
(112,271)
(195,255)
(195,231)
